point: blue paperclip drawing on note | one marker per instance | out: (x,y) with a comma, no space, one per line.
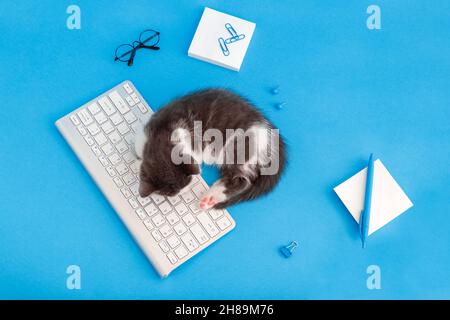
(234,37)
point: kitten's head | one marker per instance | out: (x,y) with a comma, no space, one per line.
(160,175)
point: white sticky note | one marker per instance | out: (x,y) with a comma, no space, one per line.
(221,39)
(388,199)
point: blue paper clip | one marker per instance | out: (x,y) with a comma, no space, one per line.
(289,249)
(231,29)
(224,47)
(234,37)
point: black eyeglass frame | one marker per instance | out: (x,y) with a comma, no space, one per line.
(138,45)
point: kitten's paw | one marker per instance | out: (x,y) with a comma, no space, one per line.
(138,164)
(139,142)
(213,196)
(207,202)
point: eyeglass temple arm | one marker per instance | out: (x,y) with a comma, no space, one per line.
(133,54)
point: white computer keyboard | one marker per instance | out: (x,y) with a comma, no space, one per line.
(170,230)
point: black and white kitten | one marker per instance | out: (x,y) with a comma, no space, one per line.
(214,127)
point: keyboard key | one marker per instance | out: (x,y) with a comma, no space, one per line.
(181,252)
(107,127)
(199,234)
(174,200)
(130,100)
(165,230)
(122,169)
(189,219)
(96,151)
(156,235)
(151,209)
(126,193)
(194,179)
(199,190)
(118,182)
(157,198)
(164,247)
(215,214)
(94,108)
(135,189)
(141,214)
(89,140)
(116,119)
(118,102)
(108,149)
(74,120)
(172,258)
(165,207)
(106,106)
(181,208)
(128,157)
(148,224)
(100,118)
(223,223)
(115,159)
(100,139)
(187,196)
(111,171)
(114,137)
(135,97)
(133,203)
(144,118)
(85,117)
(93,129)
(123,128)
(129,178)
(134,167)
(121,147)
(173,241)
(130,117)
(129,138)
(189,241)
(103,161)
(158,220)
(208,224)
(194,207)
(137,127)
(142,108)
(172,218)
(128,88)
(180,228)
(144,201)
(82,130)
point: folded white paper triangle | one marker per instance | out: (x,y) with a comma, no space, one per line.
(388,199)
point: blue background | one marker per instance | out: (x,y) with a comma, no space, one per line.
(349,91)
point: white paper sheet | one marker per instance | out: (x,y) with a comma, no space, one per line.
(388,199)
(205,44)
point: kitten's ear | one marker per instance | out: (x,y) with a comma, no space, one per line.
(190,168)
(145,189)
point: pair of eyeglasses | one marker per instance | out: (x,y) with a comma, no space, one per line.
(148,39)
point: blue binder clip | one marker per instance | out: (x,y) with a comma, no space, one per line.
(289,249)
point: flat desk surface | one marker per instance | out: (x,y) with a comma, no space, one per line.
(349,91)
